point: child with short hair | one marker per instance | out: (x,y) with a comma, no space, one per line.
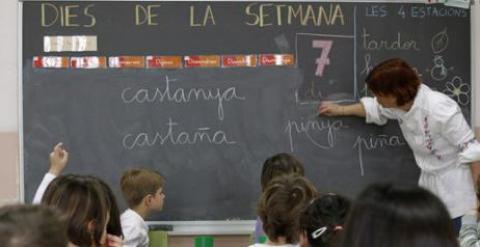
(323,220)
(32,225)
(280,207)
(143,191)
(280,164)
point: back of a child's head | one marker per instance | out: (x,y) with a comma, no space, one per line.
(398,216)
(323,220)
(279,165)
(136,184)
(31,225)
(281,205)
(83,201)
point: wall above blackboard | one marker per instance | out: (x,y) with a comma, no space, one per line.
(208,130)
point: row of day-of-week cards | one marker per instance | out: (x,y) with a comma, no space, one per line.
(163,62)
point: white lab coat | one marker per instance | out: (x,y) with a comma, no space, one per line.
(441,141)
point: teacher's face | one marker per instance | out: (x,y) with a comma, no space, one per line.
(387,101)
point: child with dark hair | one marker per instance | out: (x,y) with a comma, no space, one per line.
(433,125)
(280,207)
(83,202)
(322,221)
(396,216)
(277,165)
(58,161)
(27,226)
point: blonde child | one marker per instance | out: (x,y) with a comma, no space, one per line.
(143,191)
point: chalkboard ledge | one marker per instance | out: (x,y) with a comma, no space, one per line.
(223,227)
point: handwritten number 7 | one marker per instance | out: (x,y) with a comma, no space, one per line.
(323,60)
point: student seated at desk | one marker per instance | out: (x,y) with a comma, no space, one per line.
(398,216)
(323,220)
(86,208)
(280,207)
(143,191)
(277,165)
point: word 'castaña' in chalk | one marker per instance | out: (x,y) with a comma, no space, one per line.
(175,136)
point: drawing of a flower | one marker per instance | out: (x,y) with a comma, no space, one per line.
(458,90)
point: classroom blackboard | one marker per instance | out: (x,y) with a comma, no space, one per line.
(208,130)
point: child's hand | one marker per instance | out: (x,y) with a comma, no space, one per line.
(330,109)
(58,159)
(114,241)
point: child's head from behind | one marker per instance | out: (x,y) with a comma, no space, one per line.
(279,165)
(398,216)
(84,204)
(142,186)
(27,225)
(281,205)
(323,220)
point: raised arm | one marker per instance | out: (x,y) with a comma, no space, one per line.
(58,159)
(58,162)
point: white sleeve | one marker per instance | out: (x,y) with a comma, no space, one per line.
(134,237)
(471,153)
(373,111)
(456,130)
(134,234)
(47,179)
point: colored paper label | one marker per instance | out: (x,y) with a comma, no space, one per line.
(78,43)
(164,62)
(131,62)
(239,61)
(50,62)
(276,59)
(88,62)
(202,61)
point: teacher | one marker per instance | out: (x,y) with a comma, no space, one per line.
(442,142)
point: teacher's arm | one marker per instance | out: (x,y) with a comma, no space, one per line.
(333,110)
(367,108)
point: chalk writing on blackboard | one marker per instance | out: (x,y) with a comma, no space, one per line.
(175,136)
(328,128)
(181,95)
(374,142)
